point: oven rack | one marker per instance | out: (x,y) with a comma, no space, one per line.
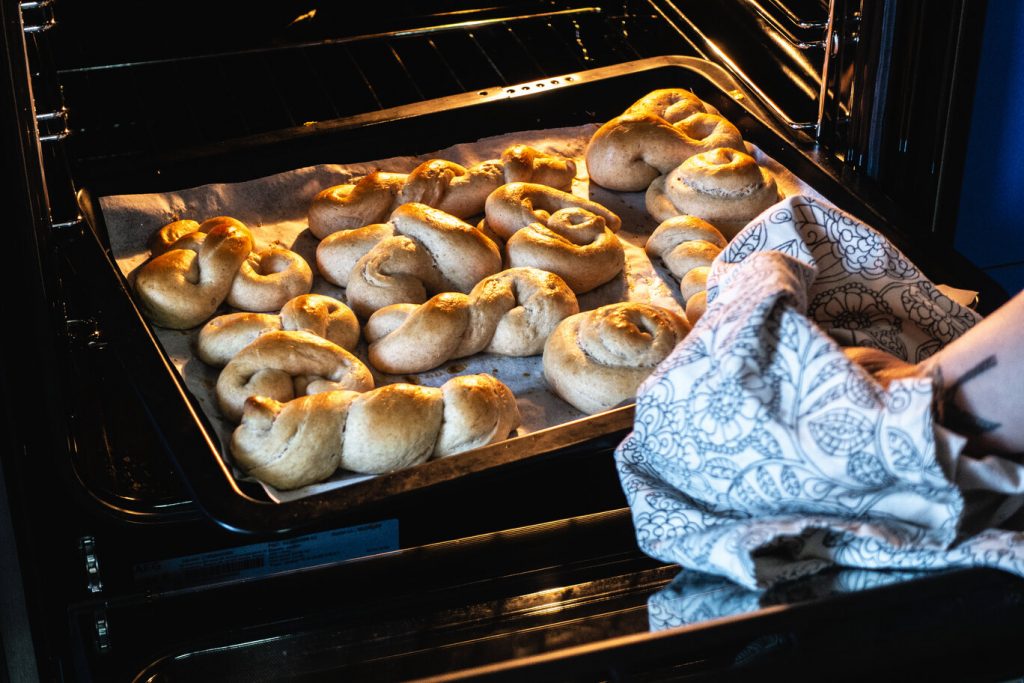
(320,66)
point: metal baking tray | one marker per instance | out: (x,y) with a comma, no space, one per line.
(571,99)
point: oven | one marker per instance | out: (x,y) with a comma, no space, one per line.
(130,554)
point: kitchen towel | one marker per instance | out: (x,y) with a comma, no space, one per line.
(695,597)
(761,453)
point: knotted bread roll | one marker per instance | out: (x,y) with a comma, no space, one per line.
(441,184)
(307,439)
(725,187)
(575,244)
(687,245)
(428,251)
(195,271)
(513,206)
(654,135)
(284,364)
(223,337)
(510,313)
(524,164)
(597,359)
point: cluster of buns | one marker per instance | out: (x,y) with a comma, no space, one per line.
(306,406)
(691,162)
(196,267)
(441,263)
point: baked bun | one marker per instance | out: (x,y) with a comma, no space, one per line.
(574,243)
(284,364)
(597,359)
(440,184)
(338,253)
(429,252)
(268,278)
(223,337)
(303,441)
(513,206)
(881,365)
(353,205)
(195,271)
(725,187)
(687,245)
(510,313)
(524,164)
(671,104)
(656,134)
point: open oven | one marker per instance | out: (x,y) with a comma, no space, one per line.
(130,551)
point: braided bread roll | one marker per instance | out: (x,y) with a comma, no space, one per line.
(305,440)
(284,364)
(429,252)
(725,187)
(687,245)
(510,313)
(195,272)
(440,184)
(513,206)
(597,359)
(654,135)
(223,337)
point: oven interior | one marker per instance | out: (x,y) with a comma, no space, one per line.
(532,566)
(239,95)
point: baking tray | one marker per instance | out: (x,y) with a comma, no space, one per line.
(592,96)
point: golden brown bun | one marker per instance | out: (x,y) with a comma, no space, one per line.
(574,244)
(351,206)
(653,136)
(452,188)
(193,273)
(510,313)
(284,364)
(687,245)
(513,206)
(430,252)
(725,187)
(671,104)
(338,253)
(268,279)
(180,288)
(440,184)
(223,337)
(524,164)
(303,441)
(597,359)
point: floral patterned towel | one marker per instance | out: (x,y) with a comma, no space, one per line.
(694,597)
(761,453)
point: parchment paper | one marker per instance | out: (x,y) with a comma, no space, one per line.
(275,208)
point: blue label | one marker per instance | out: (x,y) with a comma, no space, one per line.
(260,559)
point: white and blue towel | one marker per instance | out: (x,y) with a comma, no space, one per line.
(760,453)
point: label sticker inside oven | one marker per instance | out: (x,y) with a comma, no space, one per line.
(261,559)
